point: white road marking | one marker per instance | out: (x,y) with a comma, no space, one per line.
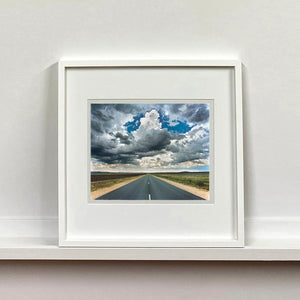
(148,182)
(149,197)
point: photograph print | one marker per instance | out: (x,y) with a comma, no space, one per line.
(149,151)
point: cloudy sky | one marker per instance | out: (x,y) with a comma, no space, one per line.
(149,137)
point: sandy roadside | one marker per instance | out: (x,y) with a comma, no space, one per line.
(198,192)
(100,192)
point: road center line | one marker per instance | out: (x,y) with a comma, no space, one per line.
(149,197)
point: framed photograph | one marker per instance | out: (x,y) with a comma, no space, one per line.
(150,154)
(150,150)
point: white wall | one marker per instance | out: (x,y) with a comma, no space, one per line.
(263,34)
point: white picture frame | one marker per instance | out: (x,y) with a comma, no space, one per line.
(72,231)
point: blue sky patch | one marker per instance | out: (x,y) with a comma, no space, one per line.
(123,146)
(135,124)
(179,127)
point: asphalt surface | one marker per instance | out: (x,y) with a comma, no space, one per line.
(149,188)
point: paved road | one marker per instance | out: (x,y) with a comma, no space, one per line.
(149,188)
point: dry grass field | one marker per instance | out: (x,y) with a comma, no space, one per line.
(195,179)
(99,181)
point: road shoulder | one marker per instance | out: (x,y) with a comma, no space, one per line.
(195,191)
(100,192)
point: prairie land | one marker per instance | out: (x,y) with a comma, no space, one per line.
(101,180)
(195,179)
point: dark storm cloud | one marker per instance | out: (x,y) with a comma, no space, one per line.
(124,139)
(100,122)
(150,145)
(190,152)
(104,116)
(113,144)
(126,108)
(186,156)
(98,114)
(175,108)
(153,140)
(105,155)
(197,113)
(120,147)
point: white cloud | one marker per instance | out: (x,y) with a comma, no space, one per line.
(150,147)
(150,123)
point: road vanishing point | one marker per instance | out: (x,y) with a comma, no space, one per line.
(149,187)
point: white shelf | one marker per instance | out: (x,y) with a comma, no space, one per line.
(36,239)
(47,249)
